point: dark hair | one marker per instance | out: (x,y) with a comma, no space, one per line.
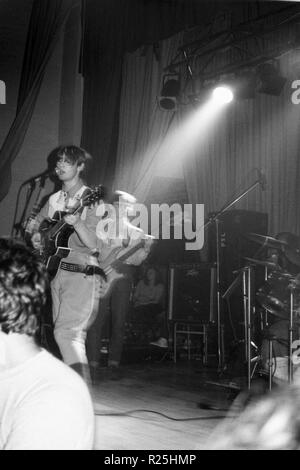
(74,154)
(157,275)
(23,286)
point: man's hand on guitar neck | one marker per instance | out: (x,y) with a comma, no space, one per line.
(87,236)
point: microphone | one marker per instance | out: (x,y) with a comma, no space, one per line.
(262,179)
(40,178)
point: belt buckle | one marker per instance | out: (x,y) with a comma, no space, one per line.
(89,270)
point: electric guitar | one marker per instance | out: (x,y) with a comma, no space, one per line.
(110,263)
(55,232)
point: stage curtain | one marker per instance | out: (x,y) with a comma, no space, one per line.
(46,22)
(143,125)
(112,28)
(252,136)
(248,137)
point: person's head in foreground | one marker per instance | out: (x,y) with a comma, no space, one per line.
(270,423)
(43,403)
(23,284)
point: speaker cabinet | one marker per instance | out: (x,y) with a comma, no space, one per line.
(192,292)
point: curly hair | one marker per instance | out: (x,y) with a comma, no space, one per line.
(23,287)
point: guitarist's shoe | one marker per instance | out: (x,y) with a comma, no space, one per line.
(160,343)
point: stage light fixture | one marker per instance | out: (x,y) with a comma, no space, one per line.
(271,82)
(168,99)
(222,94)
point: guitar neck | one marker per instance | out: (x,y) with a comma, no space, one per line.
(130,252)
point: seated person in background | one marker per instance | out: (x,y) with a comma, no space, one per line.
(44,404)
(148,301)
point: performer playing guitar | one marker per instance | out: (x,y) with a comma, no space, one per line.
(122,247)
(55,232)
(75,287)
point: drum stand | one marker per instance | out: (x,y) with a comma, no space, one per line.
(290,357)
(265,322)
(248,282)
(290,343)
(215,219)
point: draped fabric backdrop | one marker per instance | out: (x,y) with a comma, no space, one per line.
(46,23)
(259,134)
(112,28)
(143,125)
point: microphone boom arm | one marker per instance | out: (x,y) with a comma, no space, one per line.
(216,220)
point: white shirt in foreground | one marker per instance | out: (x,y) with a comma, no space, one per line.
(45,405)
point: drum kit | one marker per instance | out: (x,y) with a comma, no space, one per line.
(278,298)
(274,294)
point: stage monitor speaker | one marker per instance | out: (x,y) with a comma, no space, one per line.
(192,292)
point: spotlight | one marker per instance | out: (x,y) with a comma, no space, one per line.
(222,94)
(271,82)
(170,92)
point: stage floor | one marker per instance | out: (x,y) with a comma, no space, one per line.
(178,391)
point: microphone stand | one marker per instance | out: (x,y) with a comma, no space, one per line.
(18,226)
(35,209)
(216,220)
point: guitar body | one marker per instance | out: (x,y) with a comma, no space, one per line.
(110,263)
(55,232)
(54,247)
(111,279)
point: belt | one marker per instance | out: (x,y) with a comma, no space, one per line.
(87,269)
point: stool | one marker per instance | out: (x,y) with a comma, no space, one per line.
(191,329)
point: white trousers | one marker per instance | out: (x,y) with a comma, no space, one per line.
(75,300)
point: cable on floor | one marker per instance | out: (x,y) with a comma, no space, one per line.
(130,413)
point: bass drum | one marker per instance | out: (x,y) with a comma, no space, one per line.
(274,294)
(279,333)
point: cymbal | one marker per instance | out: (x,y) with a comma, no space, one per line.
(259,262)
(269,242)
(292,248)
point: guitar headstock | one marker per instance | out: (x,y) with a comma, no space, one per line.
(95,195)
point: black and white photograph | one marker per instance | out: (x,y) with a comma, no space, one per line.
(150,228)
